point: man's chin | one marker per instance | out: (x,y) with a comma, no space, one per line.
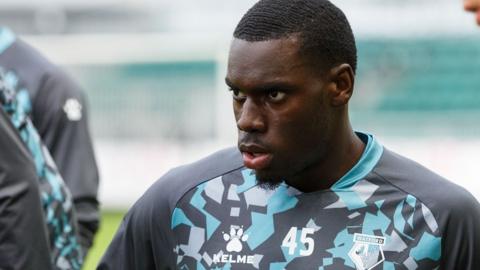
(267,181)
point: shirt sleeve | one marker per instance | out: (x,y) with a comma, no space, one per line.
(23,235)
(461,237)
(144,239)
(131,246)
(59,113)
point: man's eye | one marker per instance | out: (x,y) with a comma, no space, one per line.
(237,95)
(276,95)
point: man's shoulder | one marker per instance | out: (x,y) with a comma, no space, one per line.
(23,54)
(209,167)
(35,70)
(149,220)
(436,192)
(171,187)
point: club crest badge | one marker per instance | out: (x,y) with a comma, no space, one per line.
(367,252)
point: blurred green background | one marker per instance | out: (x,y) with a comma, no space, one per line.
(109,225)
(423,85)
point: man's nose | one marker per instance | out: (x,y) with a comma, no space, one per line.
(251,118)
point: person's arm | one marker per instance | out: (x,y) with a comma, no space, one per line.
(131,247)
(59,112)
(144,240)
(23,234)
(461,236)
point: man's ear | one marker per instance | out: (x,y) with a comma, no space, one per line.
(342,81)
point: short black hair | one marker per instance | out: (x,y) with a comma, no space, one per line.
(326,36)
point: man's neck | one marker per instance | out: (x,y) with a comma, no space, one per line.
(339,158)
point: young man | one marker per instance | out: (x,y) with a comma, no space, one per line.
(473,6)
(302,191)
(56,106)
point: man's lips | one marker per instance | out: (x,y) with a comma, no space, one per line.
(255,157)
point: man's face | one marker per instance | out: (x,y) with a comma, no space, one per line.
(473,6)
(281,107)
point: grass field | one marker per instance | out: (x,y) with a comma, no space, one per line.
(109,225)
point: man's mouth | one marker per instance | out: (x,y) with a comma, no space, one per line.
(255,157)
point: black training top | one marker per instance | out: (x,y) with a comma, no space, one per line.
(58,111)
(387,212)
(23,234)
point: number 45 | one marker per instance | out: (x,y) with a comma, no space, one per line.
(290,241)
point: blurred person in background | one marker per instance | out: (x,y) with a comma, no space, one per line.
(303,190)
(59,221)
(473,6)
(24,243)
(57,107)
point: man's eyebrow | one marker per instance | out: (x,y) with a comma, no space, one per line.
(228,82)
(277,86)
(266,87)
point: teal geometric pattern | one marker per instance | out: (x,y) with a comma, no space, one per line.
(56,198)
(263,224)
(230,222)
(427,248)
(199,202)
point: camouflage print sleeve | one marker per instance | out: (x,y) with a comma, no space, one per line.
(144,240)
(55,196)
(59,113)
(57,107)
(23,234)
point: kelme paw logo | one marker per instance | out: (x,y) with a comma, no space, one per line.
(235,239)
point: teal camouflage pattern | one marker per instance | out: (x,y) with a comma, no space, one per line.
(362,222)
(56,198)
